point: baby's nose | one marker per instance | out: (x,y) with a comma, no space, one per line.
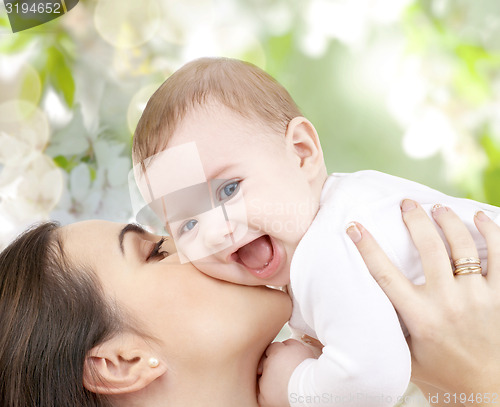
(218,234)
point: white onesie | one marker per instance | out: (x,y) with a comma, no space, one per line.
(366,361)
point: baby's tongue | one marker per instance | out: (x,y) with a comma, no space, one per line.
(256,254)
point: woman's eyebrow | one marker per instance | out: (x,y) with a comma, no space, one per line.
(131,227)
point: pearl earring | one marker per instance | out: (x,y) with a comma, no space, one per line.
(153,362)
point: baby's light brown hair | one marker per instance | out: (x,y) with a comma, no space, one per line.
(238,85)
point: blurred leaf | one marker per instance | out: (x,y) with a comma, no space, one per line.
(491,182)
(31,87)
(491,175)
(492,149)
(67,44)
(65,163)
(472,82)
(471,86)
(60,75)
(12,43)
(4,21)
(278,50)
(93,174)
(280,47)
(61,161)
(254,55)
(471,54)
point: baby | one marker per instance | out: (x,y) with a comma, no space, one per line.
(227,161)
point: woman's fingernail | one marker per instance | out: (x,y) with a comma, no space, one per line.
(480,215)
(353,232)
(438,208)
(408,205)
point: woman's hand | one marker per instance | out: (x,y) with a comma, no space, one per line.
(454,321)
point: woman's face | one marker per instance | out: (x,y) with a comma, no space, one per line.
(192,315)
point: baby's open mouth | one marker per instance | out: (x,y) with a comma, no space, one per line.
(256,256)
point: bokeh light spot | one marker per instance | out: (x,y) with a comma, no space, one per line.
(127,23)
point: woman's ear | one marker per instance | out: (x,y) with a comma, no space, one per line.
(304,140)
(123,364)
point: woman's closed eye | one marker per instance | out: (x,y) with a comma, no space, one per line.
(156,252)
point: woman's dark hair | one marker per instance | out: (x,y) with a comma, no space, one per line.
(51,314)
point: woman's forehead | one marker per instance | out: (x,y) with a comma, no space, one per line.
(87,238)
(88,228)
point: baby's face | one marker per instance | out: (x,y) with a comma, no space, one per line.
(259,201)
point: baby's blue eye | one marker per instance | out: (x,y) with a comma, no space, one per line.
(229,189)
(189,225)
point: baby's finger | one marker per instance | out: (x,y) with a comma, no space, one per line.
(461,243)
(428,242)
(389,278)
(491,232)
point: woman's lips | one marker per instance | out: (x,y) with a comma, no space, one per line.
(260,257)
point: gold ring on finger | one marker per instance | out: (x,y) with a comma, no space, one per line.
(466,261)
(460,271)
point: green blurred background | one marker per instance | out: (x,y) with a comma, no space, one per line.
(411,88)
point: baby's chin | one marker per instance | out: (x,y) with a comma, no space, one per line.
(280,281)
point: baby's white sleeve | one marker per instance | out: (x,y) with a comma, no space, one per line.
(366,360)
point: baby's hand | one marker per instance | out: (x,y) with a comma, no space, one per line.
(280,360)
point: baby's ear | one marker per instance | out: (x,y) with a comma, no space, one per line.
(122,364)
(302,137)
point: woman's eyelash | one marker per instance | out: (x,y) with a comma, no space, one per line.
(155,252)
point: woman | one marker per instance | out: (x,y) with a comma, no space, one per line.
(454,321)
(111,307)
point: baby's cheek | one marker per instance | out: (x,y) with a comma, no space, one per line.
(193,248)
(210,266)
